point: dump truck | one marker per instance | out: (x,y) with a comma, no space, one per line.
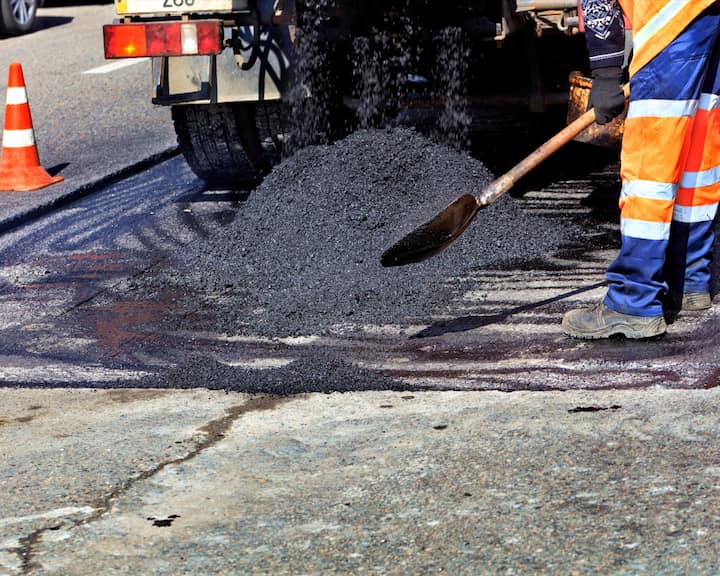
(226,67)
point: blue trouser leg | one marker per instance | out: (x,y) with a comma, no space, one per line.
(689,254)
(636,277)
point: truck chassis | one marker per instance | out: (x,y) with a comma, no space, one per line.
(229,95)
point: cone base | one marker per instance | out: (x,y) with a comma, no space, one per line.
(26,179)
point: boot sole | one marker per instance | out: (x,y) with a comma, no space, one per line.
(657,328)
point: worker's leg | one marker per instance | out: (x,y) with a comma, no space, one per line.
(664,99)
(659,130)
(691,233)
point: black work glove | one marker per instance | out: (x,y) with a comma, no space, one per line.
(606,94)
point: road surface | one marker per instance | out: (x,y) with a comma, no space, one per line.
(479,441)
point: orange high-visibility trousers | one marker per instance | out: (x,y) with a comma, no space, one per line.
(670,173)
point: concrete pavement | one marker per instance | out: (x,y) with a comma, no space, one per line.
(90,127)
(201,482)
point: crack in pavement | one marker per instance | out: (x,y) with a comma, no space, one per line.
(214,431)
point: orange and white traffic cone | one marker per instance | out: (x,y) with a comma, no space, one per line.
(20,168)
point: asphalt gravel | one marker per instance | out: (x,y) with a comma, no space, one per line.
(320,373)
(302,257)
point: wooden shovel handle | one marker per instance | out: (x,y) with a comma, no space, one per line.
(508,180)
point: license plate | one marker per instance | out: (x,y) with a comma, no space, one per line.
(123,7)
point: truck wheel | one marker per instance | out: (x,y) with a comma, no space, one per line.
(17,16)
(222,143)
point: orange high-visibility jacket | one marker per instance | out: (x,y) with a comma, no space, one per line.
(656,23)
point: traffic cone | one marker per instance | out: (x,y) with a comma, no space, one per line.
(20,168)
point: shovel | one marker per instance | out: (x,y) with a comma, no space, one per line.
(437,234)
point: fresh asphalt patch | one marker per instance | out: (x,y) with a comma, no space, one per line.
(320,373)
(302,258)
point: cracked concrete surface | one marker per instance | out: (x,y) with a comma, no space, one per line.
(67,454)
(201,482)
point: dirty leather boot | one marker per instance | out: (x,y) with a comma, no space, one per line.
(599,321)
(696,301)
(689,302)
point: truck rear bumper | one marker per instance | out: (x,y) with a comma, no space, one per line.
(258,71)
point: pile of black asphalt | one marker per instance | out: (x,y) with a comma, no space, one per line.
(302,256)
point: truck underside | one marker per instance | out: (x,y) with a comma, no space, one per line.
(236,105)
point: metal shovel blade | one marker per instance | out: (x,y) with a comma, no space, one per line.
(433,236)
(438,233)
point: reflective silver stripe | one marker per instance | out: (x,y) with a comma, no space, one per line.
(18,138)
(662,108)
(700,179)
(607,56)
(16,95)
(644,229)
(661,19)
(709,101)
(648,189)
(702,213)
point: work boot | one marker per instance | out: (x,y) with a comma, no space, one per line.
(599,321)
(696,301)
(689,302)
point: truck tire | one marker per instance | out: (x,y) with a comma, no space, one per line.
(222,143)
(17,16)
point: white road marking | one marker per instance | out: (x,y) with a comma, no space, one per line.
(113,66)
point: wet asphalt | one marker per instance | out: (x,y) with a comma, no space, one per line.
(160,282)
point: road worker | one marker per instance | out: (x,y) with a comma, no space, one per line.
(670,160)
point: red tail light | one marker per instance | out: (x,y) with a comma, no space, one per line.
(163,39)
